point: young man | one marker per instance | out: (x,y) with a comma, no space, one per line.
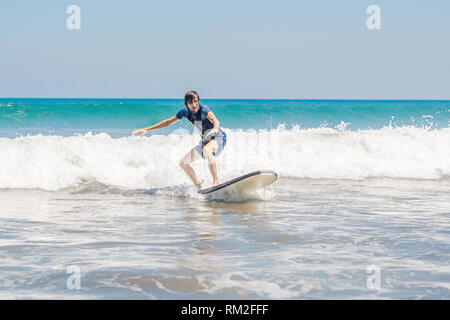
(213,138)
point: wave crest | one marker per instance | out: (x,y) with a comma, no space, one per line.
(56,162)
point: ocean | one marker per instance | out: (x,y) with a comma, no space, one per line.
(360,210)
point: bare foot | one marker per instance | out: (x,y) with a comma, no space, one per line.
(215,183)
(199,184)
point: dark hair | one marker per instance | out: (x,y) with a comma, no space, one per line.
(189,97)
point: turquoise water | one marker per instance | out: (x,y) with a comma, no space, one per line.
(118,117)
(363,186)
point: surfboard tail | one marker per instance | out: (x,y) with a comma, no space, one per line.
(248,182)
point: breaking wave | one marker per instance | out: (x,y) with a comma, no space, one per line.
(57,162)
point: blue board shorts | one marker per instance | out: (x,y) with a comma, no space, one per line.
(220,138)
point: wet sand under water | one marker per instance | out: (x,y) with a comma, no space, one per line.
(302,239)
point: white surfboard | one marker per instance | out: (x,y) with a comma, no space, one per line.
(244,184)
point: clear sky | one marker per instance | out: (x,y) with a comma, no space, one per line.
(284,49)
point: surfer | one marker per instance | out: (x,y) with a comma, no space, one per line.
(213,138)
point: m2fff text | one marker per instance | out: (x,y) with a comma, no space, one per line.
(246,309)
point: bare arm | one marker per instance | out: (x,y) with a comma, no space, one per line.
(215,122)
(213,119)
(162,124)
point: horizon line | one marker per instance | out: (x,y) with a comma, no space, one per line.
(277,99)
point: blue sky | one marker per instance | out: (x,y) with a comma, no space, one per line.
(226,49)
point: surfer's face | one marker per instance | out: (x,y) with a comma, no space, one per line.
(194,105)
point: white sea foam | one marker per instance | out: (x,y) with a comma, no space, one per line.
(56,162)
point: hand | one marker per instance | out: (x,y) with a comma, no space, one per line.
(143,131)
(211,133)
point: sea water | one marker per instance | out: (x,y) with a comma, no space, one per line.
(361,208)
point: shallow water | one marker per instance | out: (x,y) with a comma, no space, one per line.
(302,239)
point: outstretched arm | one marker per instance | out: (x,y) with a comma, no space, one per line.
(162,124)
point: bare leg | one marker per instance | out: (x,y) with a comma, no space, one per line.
(208,150)
(184,164)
